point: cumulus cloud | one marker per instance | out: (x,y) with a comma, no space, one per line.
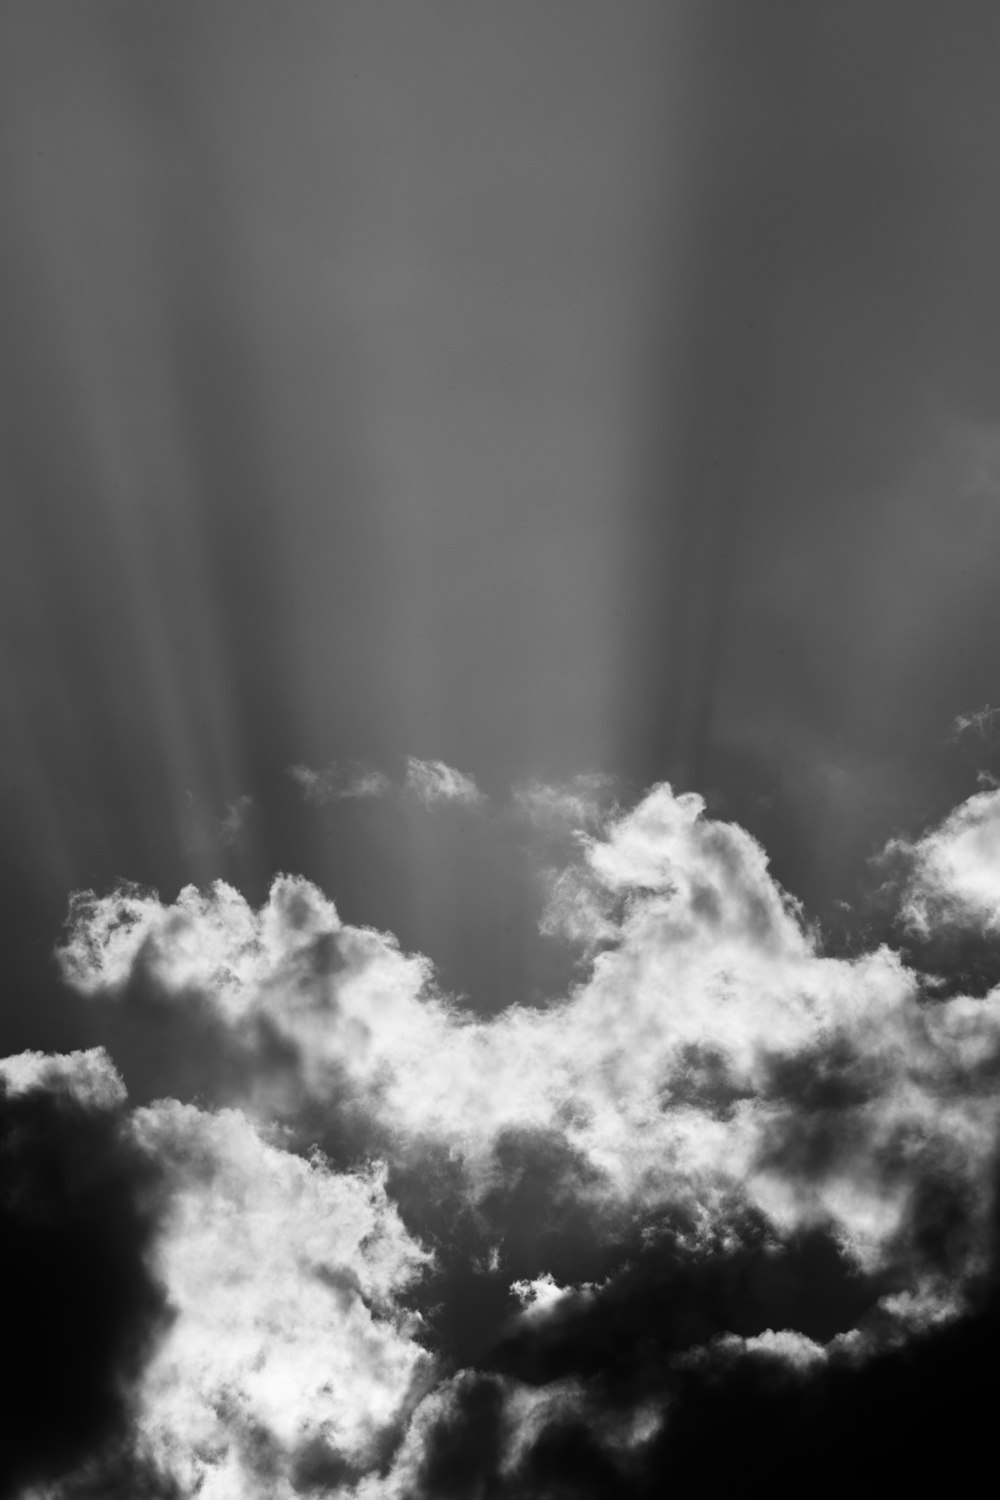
(721,1140)
(954,869)
(433,781)
(712,1048)
(287,1350)
(189,1307)
(89,1078)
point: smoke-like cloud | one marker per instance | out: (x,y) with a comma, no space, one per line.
(724,1157)
(581,803)
(434,781)
(338,782)
(429,781)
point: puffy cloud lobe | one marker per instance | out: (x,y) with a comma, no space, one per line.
(88,1079)
(81,1308)
(189,1308)
(954,870)
(287,1353)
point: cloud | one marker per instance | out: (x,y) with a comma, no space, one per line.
(188,1307)
(980,722)
(723,1157)
(711,1048)
(87,1079)
(954,870)
(234,821)
(430,781)
(579,803)
(433,781)
(340,782)
(288,1350)
(81,1308)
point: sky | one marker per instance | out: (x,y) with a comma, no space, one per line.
(500,757)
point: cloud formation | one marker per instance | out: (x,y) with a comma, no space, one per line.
(433,781)
(954,870)
(722,1152)
(287,1353)
(429,781)
(340,782)
(712,1048)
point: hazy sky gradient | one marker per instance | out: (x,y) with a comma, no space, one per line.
(544,395)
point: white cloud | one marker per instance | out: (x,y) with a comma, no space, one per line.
(89,1078)
(433,781)
(955,868)
(711,1054)
(283,1276)
(540,1294)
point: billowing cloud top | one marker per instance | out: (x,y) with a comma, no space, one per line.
(717,1103)
(955,869)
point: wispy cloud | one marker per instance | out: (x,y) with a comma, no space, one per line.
(234,821)
(433,781)
(983,723)
(582,802)
(430,781)
(340,782)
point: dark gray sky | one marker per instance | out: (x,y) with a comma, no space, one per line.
(544,388)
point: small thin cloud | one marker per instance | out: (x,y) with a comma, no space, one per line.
(338,782)
(582,802)
(434,781)
(232,825)
(983,723)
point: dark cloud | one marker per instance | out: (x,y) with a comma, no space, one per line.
(666,1299)
(81,1309)
(731,1417)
